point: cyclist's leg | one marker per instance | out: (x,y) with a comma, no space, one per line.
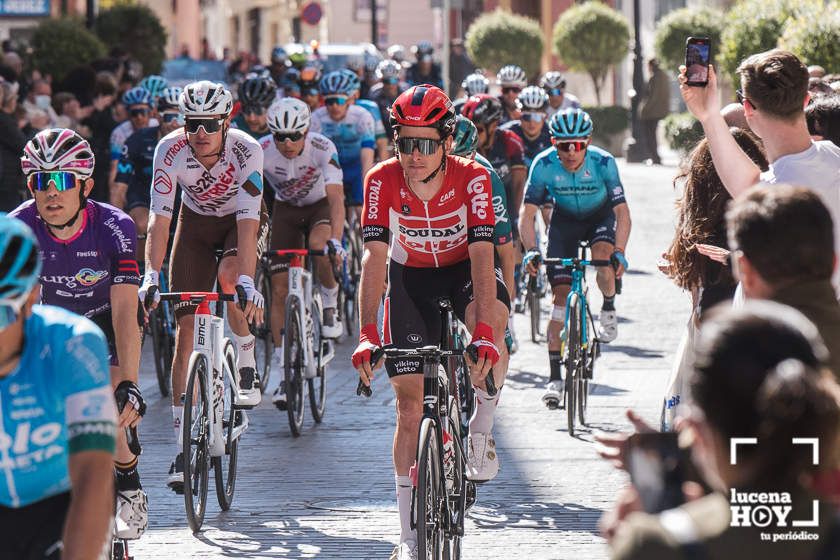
(353,191)
(36,530)
(320,231)
(286,233)
(563,239)
(602,246)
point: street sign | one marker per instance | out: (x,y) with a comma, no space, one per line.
(311,13)
(24,7)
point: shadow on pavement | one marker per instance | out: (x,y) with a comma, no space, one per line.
(535,516)
(632,351)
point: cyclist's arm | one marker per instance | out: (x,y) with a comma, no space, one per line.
(527,232)
(368,139)
(247,232)
(484,280)
(480,223)
(536,195)
(164,183)
(507,260)
(518,170)
(248,208)
(335,197)
(124,171)
(124,316)
(374,269)
(157,238)
(517,178)
(615,194)
(89,515)
(623,225)
(366,155)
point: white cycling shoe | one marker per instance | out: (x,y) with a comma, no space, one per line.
(405,551)
(249,394)
(331,327)
(132,514)
(482,458)
(553,396)
(608,330)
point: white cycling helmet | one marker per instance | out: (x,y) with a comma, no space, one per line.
(512,76)
(205,99)
(388,69)
(475,83)
(288,115)
(532,98)
(58,149)
(396,52)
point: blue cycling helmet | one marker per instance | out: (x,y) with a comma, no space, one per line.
(154,84)
(137,96)
(338,83)
(279,55)
(169,99)
(20,261)
(354,83)
(571,123)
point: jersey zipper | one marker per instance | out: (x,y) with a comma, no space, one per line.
(429,226)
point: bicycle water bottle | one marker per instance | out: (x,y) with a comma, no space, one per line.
(448,461)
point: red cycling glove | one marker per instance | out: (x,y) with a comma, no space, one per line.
(368,342)
(482,340)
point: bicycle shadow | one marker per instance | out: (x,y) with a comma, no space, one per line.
(632,351)
(546,515)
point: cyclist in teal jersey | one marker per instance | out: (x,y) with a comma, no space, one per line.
(589,205)
(256,94)
(56,406)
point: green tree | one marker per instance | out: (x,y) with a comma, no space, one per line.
(592,38)
(499,38)
(673,29)
(59,45)
(137,30)
(815,36)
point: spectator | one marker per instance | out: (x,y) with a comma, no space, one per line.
(656,105)
(460,66)
(101,122)
(69,113)
(38,105)
(425,70)
(774,92)
(823,118)
(11,67)
(12,142)
(816,71)
(817,86)
(758,373)
(782,237)
(733,115)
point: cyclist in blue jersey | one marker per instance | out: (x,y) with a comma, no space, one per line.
(134,172)
(589,205)
(373,109)
(90,268)
(351,129)
(138,103)
(56,488)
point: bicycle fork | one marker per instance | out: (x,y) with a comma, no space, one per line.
(209,333)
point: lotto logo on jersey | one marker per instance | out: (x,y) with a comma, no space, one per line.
(433,235)
(480,196)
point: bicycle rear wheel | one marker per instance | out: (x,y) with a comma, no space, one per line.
(264,347)
(226,477)
(429,495)
(573,360)
(294,349)
(318,385)
(196,434)
(533,299)
(458,494)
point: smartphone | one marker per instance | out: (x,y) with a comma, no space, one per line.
(658,468)
(698,54)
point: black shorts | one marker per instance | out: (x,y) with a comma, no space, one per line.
(565,235)
(105,322)
(137,198)
(412,315)
(34,532)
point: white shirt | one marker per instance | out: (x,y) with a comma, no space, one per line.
(569,102)
(818,169)
(302,181)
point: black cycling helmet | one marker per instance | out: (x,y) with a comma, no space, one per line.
(257,91)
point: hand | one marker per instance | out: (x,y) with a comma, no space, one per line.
(531,261)
(486,351)
(102,101)
(338,248)
(613,446)
(150,279)
(368,343)
(628,502)
(254,301)
(702,102)
(717,254)
(619,262)
(128,393)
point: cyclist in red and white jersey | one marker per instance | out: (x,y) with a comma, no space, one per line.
(435,214)
(219,170)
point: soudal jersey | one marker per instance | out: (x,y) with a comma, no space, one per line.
(78,273)
(577,194)
(232,186)
(302,180)
(120,134)
(506,153)
(350,135)
(137,161)
(433,233)
(57,402)
(532,146)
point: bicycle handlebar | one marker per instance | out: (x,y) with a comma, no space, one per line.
(196,296)
(290,253)
(576,262)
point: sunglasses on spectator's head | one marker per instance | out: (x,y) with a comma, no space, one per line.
(253,110)
(172,117)
(210,126)
(336,100)
(554,91)
(426,146)
(41,180)
(739,95)
(532,117)
(507,90)
(139,112)
(567,145)
(283,136)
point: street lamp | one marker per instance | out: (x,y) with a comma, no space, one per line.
(633,149)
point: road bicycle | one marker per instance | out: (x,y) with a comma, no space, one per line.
(582,346)
(348,274)
(534,289)
(213,423)
(442,492)
(162,332)
(306,352)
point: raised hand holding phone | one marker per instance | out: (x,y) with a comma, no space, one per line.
(698,56)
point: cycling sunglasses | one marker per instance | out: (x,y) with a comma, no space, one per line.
(507,90)
(292,136)
(390,81)
(41,180)
(138,112)
(255,110)
(337,100)
(210,126)
(566,146)
(426,146)
(532,117)
(554,91)
(172,117)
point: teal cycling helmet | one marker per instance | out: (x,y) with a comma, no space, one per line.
(154,84)
(137,96)
(353,81)
(465,137)
(337,83)
(20,261)
(571,123)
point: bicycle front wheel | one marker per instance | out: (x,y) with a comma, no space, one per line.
(429,495)
(533,299)
(318,385)
(196,434)
(226,477)
(572,362)
(294,350)
(264,344)
(162,347)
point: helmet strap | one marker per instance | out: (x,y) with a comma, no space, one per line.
(71,221)
(441,167)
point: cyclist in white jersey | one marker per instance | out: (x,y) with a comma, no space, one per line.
(303,170)
(219,172)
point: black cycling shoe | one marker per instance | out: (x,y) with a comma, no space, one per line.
(175,481)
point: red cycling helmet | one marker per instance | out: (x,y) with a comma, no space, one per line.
(482,109)
(424,105)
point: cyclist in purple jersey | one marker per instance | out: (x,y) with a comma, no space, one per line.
(89,267)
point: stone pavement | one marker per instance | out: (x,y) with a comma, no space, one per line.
(330,493)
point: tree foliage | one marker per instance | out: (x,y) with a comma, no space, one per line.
(592,38)
(59,45)
(499,38)
(137,30)
(673,29)
(814,36)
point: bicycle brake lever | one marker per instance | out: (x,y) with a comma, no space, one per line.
(362,389)
(133,441)
(150,297)
(241,296)
(367,390)
(489,382)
